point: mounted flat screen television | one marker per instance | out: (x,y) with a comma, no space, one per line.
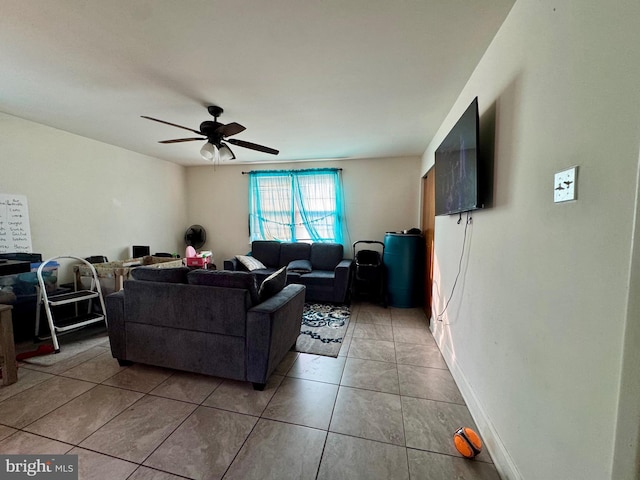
(458,172)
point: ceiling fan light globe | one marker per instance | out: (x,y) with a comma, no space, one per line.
(226,154)
(210,152)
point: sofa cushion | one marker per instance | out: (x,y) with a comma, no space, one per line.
(267,251)
(272,284)
(226,279)
(165,275)
(250,263)
(321,278)
(326,256)
(299,266)
(291,251)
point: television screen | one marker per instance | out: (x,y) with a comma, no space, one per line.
(456,166)
(138,251)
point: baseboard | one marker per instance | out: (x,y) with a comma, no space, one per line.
(501,458)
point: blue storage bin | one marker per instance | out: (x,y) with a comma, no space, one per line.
(403,262)
(25,283)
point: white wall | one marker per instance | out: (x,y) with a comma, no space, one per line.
(627,448)
(380,195)
(89,198)
(534,334)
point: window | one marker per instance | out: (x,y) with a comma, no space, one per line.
(295,205)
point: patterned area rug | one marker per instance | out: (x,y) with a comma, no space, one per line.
(323,328)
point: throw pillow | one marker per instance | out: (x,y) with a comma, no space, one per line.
(299,266)
(250,263)
(226,279)
(164,275)
(272,284)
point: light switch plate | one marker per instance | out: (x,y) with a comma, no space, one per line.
(565,186)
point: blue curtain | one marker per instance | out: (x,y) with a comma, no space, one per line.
(319,200)
(270,206)
(293,205)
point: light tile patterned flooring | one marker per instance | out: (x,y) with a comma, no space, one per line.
(385,408)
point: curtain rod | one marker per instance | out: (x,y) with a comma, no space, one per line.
(302,170)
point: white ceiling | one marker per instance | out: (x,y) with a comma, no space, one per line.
(316,79)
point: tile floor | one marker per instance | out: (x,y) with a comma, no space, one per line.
(385,408)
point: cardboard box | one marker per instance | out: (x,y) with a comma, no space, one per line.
(113,274)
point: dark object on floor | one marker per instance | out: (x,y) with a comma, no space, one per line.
(24,315)
(369,275)
(38,352)
(203,321)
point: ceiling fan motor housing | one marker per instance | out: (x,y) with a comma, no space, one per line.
(210,130)
(215,111)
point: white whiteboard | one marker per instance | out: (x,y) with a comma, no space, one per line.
(15,232)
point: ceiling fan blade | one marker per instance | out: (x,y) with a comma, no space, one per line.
(178,140)
(230,129)
(253,146)
(172,124)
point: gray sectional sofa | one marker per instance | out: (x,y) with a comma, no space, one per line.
(321,267)
(210,322)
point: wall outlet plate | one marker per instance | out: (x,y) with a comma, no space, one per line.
(565,187)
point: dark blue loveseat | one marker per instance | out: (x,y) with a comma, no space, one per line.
(321,267)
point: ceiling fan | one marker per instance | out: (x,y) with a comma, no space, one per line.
(216,133)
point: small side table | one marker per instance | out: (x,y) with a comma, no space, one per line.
(9,370)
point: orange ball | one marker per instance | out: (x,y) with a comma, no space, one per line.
(467,442)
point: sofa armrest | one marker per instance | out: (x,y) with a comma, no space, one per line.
(115,324)
(273,327)
(344,265)
(342,280)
